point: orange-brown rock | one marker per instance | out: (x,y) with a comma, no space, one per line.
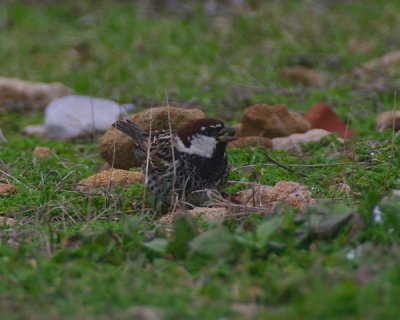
(110,178)
(116,147)
(271,122)
(292,193)
(322,116)
(304,75)
(7,189)
(251,141)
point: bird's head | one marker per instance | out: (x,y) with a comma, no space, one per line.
(203,137)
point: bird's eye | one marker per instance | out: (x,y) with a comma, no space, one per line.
(210,131)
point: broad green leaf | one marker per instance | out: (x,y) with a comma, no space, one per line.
(266,229)
(158,245)
(212,243)
(185,231)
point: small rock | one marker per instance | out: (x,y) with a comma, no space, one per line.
(202,213)
(142,313)
(19,95)
(386,63)
(7,189)
(42,152)
(271,122)
(388,120)
(251,141)
(297,140)
(110,178)
(209,214)
(246,310)
(35,130)
(304,75)
(340,187)
(293,193)
(356,45)
(73,116)
(116,147)
(322,116)
(4,221)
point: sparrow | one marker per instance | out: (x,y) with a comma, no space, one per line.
(180,164)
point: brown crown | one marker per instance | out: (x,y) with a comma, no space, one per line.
(185,133)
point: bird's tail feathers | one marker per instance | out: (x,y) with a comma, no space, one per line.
(132,130)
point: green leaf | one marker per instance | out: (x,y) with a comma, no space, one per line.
(215,242)
(266,229)
(323,222)
(185,231)
(157,245)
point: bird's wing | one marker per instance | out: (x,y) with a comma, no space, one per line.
(160,143)
(162,152)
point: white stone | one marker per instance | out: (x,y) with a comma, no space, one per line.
(73,116)
(296,140)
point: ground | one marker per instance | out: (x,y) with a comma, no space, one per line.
(95,256)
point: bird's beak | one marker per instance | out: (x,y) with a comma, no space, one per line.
(226,134)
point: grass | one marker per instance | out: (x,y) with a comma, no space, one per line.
(78,256)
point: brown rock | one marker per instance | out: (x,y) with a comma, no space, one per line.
(19,95)
(202,213)
(251,141)
(385,63)
(322,116)
(292,193)
(4,221)
(42,153)
(304,75)
(388,120)
(110,178)
(158,117)
(271,122)
(296,141)
(7,189)
(209,214)
(116,147)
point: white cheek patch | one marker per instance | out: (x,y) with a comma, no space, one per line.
(200,145)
